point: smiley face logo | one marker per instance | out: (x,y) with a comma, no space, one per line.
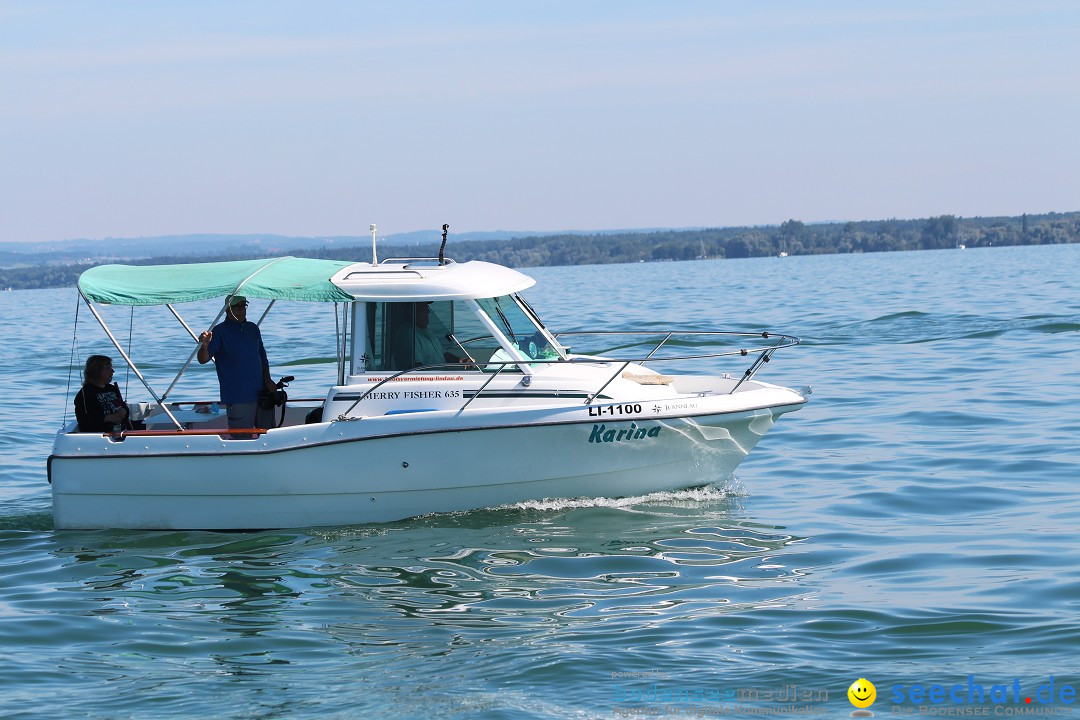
(862,693)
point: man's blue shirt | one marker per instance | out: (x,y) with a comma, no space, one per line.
(239,357)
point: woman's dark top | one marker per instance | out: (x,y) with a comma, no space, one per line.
(92,404)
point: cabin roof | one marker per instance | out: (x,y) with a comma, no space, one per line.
(412,280)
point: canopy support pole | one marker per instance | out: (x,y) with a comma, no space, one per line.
(190,357)
(71,358)
(120,349)
(243,282)
(265,313)
(131,330)
(339,323)
(182,322)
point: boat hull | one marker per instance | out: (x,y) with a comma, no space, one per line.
(345,473)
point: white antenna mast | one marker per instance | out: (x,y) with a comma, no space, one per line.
(374,257)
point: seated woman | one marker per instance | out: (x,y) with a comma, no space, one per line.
(99,406)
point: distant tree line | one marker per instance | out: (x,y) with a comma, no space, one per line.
(33,277)
(792,237)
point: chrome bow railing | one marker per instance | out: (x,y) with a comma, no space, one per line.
(761,353)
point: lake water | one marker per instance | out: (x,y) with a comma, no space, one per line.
(917,523)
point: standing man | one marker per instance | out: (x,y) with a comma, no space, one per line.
(242,368)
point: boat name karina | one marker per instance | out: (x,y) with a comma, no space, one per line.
(600,433)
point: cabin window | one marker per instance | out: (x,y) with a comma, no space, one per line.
(406,335)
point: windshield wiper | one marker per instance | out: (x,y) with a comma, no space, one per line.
(505,322)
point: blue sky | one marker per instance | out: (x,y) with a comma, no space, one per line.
(151,117)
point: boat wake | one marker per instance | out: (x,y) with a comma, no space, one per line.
(689,498)
(717,495)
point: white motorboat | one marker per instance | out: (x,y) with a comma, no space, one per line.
(523,418)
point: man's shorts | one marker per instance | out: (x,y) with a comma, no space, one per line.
(248,415)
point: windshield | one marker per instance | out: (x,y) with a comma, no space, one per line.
(519,327)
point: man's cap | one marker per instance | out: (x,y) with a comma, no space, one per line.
(237,300)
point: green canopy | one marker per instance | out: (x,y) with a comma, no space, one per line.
(284,278)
